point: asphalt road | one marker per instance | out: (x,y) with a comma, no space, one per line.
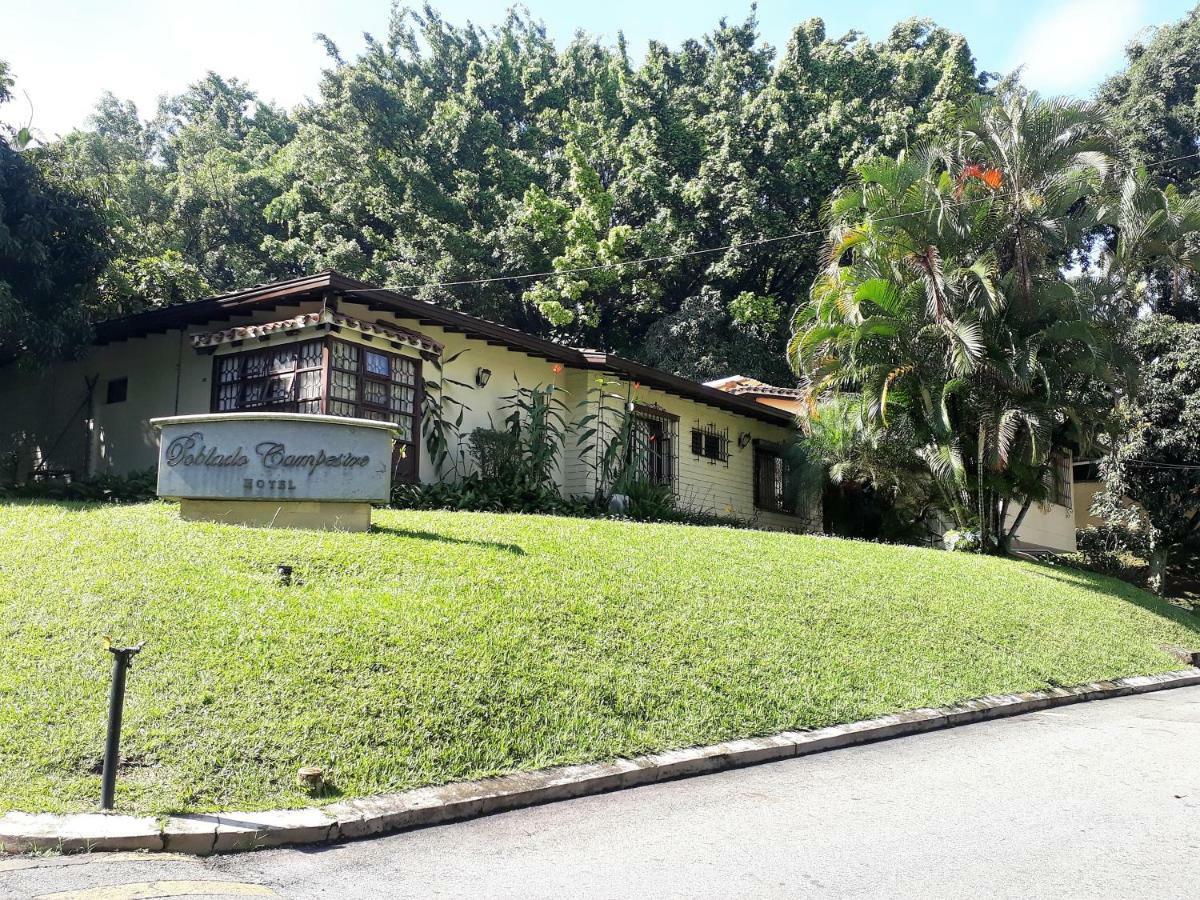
(1095,800)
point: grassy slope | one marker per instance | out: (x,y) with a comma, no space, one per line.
(448,646)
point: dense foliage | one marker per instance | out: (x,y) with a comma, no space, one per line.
(943,305)
(447,153)
(1155,107)
(51,252)
(1156,459)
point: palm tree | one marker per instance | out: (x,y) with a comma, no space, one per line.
(944,305)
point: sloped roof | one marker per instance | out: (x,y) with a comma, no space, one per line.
(741,385)
(393,333)
(333,284)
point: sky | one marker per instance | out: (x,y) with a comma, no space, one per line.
(65,53)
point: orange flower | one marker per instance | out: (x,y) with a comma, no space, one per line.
(993,178)
(556,368)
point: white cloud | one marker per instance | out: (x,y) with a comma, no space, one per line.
(1071,45)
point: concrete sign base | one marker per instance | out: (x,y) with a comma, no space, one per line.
(318,515)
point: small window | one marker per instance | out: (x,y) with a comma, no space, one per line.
(117,390)
(711,442)
(774,490)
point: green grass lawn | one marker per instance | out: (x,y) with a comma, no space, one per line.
(446,646)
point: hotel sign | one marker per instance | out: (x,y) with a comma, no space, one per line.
(274,456)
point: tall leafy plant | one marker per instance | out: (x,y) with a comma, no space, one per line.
(944,304)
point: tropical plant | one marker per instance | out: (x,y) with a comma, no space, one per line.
(870,482)
(1155,459)
(441,433)
(1154,105)
(944,305)
(536,419)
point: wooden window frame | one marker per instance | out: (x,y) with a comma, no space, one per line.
(243,356)
(362,407)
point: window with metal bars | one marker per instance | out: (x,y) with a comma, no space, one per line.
(284,378)
(711,443)
(773,490)
(655,438)
(1059,480)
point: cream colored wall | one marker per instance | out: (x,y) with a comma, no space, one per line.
(1051,526)
(704,486)
(50,409)
(1082,495)
(510,369)
(167,377)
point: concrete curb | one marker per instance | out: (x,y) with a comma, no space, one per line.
(226,832)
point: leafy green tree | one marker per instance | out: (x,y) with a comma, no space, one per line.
(182,194)
(1155,107)
(52,249)
(451,154)
(1156,459)
(944,304)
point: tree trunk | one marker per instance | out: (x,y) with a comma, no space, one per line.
(1160,556)
(1007,535)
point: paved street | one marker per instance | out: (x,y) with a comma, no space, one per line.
(1096,800)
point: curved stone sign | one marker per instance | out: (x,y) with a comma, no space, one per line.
(272,460)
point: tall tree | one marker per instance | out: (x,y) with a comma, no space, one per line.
(51,252)
(448,154)
(943,302)
(1155,460)
(1155,106)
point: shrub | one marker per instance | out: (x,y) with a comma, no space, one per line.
(961,541)
(136,487)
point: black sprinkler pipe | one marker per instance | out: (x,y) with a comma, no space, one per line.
(122,662)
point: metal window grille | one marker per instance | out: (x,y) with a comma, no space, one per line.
(773,490)
(1059,480)
(711,443)
(655,439)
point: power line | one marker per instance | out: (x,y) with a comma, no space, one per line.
(1147,464)
(755,242)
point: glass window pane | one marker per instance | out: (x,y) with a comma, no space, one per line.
(279,388)
(405,424)
(227,397)
(283,359)
(345,356)
(343,386)
(404,371)
(338,408)
(375,392)
(310,385)
(230,368)
(308,406)
(378,363)
(310,354)
(256,365)
(255,391)
(402,399)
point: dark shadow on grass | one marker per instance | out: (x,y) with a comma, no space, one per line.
(1114,587)
(445,539)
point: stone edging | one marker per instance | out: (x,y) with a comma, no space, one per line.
(228,832)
